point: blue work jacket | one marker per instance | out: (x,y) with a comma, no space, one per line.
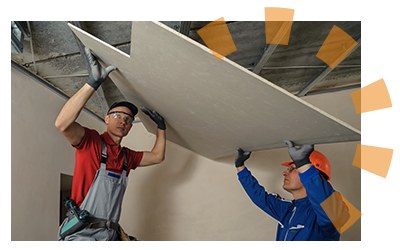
(298,220)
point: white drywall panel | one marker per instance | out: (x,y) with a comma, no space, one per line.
(211,107)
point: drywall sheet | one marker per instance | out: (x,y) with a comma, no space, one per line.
(211,107)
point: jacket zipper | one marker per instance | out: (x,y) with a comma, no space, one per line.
(287,231)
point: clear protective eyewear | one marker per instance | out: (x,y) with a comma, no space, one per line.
(127,117)
(291,168)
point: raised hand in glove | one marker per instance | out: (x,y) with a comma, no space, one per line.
(241,157)
(156,117)
(97,73)
(301,154)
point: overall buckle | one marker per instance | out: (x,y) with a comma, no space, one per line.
(108,224)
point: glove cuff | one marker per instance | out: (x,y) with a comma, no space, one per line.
(239,163)
(161,125)
(302,162)
(93,83)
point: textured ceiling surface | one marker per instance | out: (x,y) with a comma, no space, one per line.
(57,59)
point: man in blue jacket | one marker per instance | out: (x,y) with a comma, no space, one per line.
(306,178)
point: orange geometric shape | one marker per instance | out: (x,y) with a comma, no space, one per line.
(373,159)
(277,32)
(340,211)
(278,14)
(278,23)
(356,96)
(218,39)
(335,47)
(371,97)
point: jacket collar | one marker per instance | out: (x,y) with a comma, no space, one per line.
(300,202)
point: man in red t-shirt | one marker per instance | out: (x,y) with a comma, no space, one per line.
(98,188)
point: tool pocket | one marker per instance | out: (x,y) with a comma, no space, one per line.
(71,227)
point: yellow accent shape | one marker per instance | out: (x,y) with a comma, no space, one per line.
(340,211)
(335,47)
(218,39)
(371,97)
(373,159)
(278,23)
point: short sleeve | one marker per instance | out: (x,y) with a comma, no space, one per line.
(91,137)
(134,158)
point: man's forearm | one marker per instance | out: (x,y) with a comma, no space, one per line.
(159,147)
(73,107)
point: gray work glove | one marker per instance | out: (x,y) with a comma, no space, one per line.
(156,117)
(241,157)
(301,154)
(97,73)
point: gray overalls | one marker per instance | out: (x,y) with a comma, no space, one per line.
(103,201)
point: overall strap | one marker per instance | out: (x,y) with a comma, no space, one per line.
(125,162)
(103,155)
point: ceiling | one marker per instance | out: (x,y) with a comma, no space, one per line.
(57,57)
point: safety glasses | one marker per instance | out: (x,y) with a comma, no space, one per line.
(119,116)
(291,168)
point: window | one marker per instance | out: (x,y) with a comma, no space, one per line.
(17,39)
(18,33)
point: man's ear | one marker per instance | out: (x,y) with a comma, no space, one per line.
(106,118)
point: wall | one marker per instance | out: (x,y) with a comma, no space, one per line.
(38,155)
(187,197)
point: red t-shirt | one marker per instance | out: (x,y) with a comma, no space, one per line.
(87,161)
